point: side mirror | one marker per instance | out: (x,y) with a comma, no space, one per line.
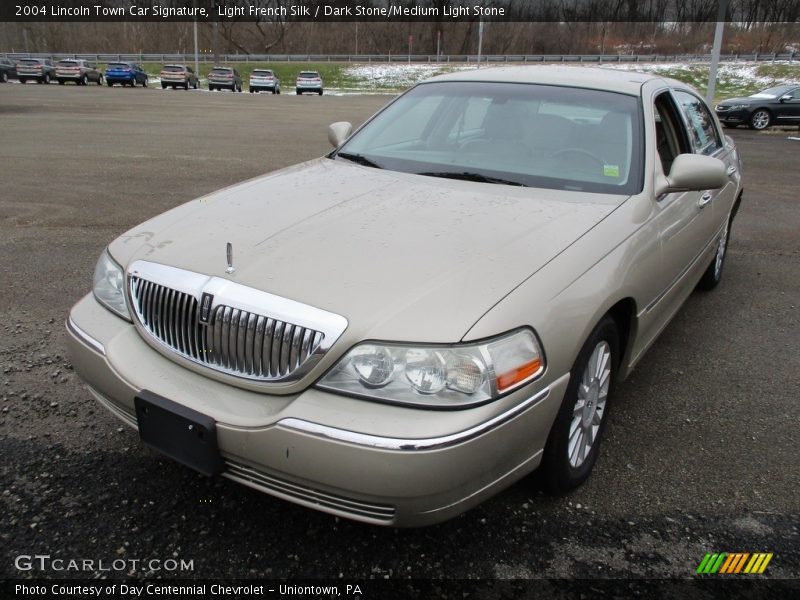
(338,132)
(693,172)
(785,98)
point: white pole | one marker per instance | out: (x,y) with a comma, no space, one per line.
(712,74)
(480,40)
(196,57)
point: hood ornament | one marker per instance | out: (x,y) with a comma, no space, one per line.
(229,253)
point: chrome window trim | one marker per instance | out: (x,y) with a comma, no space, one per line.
(84,337)
(412,444)
(235,295)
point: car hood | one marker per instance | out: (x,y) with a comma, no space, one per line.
(401,256)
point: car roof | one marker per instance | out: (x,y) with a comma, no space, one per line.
(599,78)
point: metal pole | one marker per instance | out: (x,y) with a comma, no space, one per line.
(480,40)
(196,57)
(712,75)
(356,39)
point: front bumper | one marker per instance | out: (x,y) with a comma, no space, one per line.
(740,115)
(362,460)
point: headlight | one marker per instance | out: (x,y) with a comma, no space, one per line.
(109,285)
(454,376)
(738,106)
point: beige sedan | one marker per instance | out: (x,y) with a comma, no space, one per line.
(398,330)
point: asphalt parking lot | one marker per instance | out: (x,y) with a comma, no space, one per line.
(701,453)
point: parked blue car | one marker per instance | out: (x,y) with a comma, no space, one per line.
(125,73)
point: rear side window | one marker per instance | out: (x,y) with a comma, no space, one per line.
(702,131)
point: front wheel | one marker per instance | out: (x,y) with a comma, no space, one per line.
(47,78)
(22,80)
(320,92)
(4,77)
(84,80)
(574,442)
(100,80)
(760,119)
(144,82)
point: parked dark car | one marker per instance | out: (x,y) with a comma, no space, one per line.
(7,70)
(179,76)
(40,70)
(264,80)
(226,78)
(308,81)
(79,71)
(778,105)
(125,73)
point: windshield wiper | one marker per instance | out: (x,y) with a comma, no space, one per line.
(360,159)
(470,176)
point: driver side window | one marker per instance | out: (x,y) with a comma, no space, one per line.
(671,137)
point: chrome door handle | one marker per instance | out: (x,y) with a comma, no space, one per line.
(731,171)
(705,199)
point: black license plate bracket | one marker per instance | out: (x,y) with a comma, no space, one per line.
(185,435)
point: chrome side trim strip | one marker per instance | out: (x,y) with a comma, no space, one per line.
(79,333)
(387,443)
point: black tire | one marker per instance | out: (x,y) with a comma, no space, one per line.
(144,82)
(100,80)
(84,80)
(61,82)
(210,88)
(163,86)
(46,78)
(186,85)
(4,77)
(278,91)
(320,92)
(760,120)
(559,475)
(298,92)
(252,91)
(713,274)
(109,83)
(22,80)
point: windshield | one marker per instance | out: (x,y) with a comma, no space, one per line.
(533,135)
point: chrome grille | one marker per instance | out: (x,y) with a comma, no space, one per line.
(234,340)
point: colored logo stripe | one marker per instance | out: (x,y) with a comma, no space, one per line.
(733,562)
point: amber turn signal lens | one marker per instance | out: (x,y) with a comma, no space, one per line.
(512,378)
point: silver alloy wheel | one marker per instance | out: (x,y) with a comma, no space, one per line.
(760,119)
(587,414)
(722,247)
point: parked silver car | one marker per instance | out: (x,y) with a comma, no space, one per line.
(224,78)
(40,70)
(402,328)
(309,81)
(79,71)
(264,80)
(179,76)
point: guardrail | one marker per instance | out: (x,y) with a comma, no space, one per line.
(413,58)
